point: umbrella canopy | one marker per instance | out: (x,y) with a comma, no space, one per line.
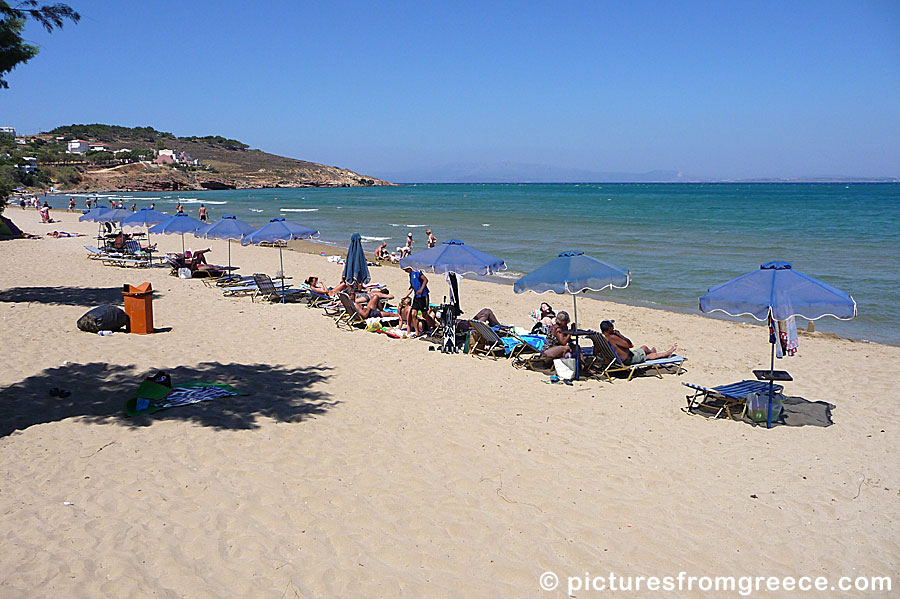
(356,268)
(279,229)
(228,227)
(179,224)
(779,291)
(573,272)
(454,256)
(115,216)
(145,217)
(94,215)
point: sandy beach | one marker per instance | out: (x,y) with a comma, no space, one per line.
(362,466)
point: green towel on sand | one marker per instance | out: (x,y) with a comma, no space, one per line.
(153,397)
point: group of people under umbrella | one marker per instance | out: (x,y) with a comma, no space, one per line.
(774,292)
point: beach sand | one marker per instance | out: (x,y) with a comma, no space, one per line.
(362,466)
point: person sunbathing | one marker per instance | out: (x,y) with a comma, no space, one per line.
(374,307)
(198,258)
(625,349)
(58,234)
(314,284)
(485,315)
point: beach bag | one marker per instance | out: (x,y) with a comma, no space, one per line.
(758,406)
(565,368)
(103,318)
(184,273)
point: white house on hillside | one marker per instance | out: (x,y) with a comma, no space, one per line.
(77,146)
(99,148)
(10,130)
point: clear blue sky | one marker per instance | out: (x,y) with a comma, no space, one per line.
(714,89)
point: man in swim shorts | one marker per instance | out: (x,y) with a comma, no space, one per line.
(625,349)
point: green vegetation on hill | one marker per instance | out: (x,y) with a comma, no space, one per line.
(117,133)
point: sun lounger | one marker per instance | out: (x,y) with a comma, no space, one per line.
(610,363)
(730,398)
(488,343)
(268,291)
(351,318)
(95,253)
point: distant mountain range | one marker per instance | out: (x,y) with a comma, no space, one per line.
(515,172)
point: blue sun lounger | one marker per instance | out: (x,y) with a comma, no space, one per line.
(724,398)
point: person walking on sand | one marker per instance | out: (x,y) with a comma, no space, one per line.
(627,352)
(432,240)
(202,212)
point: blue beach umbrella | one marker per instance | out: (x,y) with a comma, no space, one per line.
(179,224)
(228,227)
(277,230)
(117,215)
(454,256)
(94,215)
(573,273)
(356,267)
(777,292)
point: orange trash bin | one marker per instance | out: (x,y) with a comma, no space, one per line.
(139,308)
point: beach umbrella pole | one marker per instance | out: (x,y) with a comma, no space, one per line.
(577,345)
(229,256)
(281,260)
(771,383)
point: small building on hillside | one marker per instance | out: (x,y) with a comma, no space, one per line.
(165,158)
(29,164)
(77,146)
(121,151)
(99,148)
(10,130)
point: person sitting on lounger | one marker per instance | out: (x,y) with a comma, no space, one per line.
(315,285)
(559,338)
(627,352)
(374,308)
(198,258)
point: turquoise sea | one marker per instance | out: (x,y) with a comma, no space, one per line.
(677,239)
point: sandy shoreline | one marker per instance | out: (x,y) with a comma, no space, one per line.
(362,466)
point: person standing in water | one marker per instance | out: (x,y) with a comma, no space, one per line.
(202,212)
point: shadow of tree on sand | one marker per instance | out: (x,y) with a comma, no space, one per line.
(99,391)
(66,296)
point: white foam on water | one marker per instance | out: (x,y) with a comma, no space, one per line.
(485,224)
(299,209)
(407,226)
(369,238)
(196,201)
(256,210)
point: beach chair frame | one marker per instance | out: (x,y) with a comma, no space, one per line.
(610,363)
(266,290)
(730,399)
(487,342)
